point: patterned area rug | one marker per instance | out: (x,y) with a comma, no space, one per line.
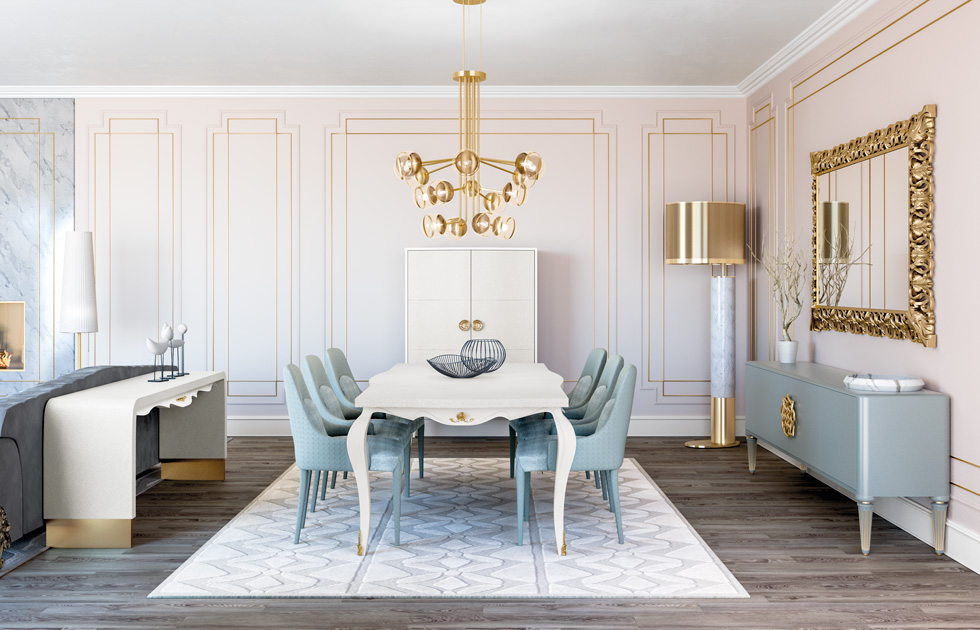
(458,539)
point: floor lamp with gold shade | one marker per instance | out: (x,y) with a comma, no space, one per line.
(713,233)
(78,308)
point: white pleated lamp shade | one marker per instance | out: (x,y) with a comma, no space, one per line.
(78,308)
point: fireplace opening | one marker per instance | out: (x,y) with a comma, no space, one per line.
(13,335)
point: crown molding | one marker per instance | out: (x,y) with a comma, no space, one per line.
(815,34)
(366,91)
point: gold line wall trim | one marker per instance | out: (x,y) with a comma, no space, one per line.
(713,130)
(918,323)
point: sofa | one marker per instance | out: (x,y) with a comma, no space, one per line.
(22,441)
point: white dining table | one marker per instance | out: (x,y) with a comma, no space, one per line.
(414,390)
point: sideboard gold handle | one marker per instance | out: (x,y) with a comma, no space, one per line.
(464,325)
(787,414)
(477,325)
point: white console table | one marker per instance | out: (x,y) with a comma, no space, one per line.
(90,451)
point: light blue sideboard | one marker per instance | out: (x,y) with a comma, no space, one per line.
(871,444)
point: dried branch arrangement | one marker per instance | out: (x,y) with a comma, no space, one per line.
(833,274)
(787,266)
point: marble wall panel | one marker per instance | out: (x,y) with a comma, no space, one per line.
(37,206)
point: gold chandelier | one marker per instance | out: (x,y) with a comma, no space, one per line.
(480,207)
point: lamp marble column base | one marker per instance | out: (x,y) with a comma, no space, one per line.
(722,365)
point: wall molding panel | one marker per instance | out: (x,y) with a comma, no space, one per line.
(133,212)
(688,156)
(253,182)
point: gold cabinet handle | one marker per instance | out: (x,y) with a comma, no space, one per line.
(477,325)
(464,325)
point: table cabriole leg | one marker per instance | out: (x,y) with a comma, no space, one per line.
(563,465)
(865,515)
(357,451)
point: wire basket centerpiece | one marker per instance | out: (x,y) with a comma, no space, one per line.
(476,351)
(453,366)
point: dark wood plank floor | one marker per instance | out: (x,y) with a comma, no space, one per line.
(790,540)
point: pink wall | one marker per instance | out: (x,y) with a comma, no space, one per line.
(882,68)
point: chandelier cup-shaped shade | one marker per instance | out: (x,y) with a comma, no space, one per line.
(444,192)
(455,228)
(493,201)
(705,233)
(430,195)
(421,199)
(482,223)
(407,164)
(433,225)
(79,313)
(514,194)
(471,188)
(504,227)
(422,176)
(833,220)
(530,164)
(467,162)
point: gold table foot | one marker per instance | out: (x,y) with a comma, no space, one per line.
(193,470)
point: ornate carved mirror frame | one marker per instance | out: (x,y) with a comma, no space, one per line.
(918,323)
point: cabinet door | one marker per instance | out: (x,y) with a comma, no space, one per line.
(504,287)
(438,300)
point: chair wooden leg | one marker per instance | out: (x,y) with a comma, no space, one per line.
(421,436)
(304,492)
(345,474)
(398,477)
(587,474)
(323,486)
(598,482)
(601,479)
(333,481)
(612,479)
(513,449)
(521,480)
(316,486)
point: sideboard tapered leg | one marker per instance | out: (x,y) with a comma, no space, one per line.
(865,514)
(751,445)
(939,524)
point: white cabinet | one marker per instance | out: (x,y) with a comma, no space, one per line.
(450,293)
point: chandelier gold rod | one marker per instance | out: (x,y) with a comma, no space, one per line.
(427,162)
(436,170)
(499,168)
(483,159)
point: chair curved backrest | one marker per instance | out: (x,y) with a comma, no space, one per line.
(614,428)
(606,447)
(588,380)
(321,391)
(610,372)
(342,381)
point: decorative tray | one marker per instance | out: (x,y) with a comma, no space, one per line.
(454,366)
(883,382)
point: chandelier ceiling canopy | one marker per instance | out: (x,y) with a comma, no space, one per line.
(480,207)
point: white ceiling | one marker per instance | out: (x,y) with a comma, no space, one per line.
(393,42)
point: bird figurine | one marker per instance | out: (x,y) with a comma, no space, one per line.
(167,335)
(157,348)
(182,329)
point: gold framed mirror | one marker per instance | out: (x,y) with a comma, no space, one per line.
(872,233)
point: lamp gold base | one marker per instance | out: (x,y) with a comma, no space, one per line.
(193,470)
(722,426)
(90,533)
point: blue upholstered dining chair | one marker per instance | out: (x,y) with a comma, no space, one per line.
(603,450)
(347,390)
(321,444)
(524,428)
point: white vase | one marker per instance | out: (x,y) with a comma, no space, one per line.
(787,351)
